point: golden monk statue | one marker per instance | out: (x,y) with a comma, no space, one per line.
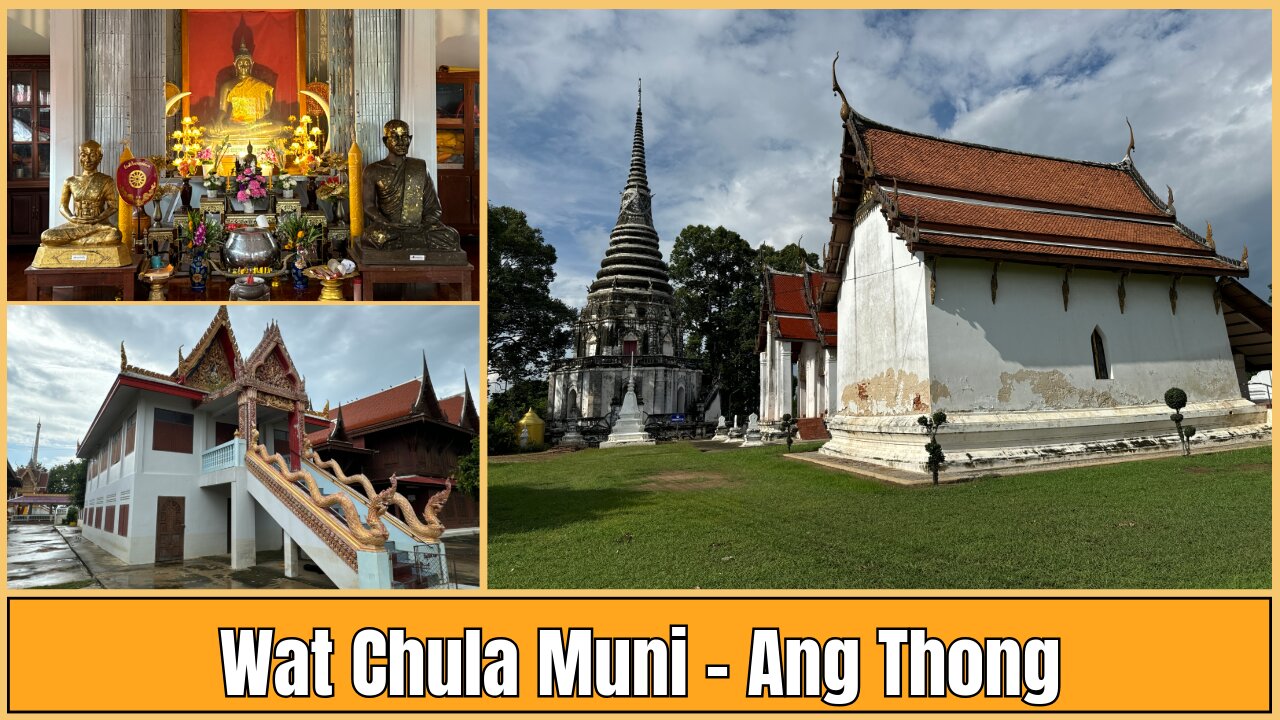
(245,102)
(401,209)
(88,202)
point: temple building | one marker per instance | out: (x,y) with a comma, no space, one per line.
(29,498)
(406,432)
(629,327)
(797,347)
(1044,304)
(213,458)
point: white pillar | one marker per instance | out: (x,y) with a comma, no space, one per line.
(66,81)
(292,558)
(766,414)
(784,378)
(831,382)
(418,81)
(244,532)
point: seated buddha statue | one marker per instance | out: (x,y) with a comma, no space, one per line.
(88,203)
(401,209)
(245,103)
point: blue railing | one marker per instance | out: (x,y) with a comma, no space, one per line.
(227,455)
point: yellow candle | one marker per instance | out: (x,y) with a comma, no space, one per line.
(355,172)
(124,211)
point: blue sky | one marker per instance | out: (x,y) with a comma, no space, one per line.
(742,129)
(62,360)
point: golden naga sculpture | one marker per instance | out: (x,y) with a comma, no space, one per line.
(429,531)
(245,103)
(88,202)
(402,213)
(370,535)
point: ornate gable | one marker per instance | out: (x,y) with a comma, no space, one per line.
(214,363)
(426,403)
(269,367)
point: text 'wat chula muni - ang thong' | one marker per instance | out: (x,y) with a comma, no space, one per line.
(217,458)
(1046,305)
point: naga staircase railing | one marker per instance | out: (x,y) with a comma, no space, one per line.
(333,518)
(427,530)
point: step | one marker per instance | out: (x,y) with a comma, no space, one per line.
(812,429)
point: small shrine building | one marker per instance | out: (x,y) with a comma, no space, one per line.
(797,347)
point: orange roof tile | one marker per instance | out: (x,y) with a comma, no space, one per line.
(1016,249)
(788,293)
(957,166)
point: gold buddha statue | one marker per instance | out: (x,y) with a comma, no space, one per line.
(402,213)
(87,239)
(245,103)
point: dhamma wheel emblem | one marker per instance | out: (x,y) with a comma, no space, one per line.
(137,179)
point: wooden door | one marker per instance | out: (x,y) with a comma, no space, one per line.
(170,528)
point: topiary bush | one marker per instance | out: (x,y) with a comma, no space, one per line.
(936,458)
(1176,398)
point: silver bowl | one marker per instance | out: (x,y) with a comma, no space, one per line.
(251,247)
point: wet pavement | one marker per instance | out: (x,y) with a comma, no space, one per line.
(39,557)
(44,556)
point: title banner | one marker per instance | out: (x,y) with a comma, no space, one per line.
(651,654)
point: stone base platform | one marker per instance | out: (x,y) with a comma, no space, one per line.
(78,257)
(984,442)
(625,439)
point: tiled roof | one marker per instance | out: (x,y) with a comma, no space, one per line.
(792,306)
(788,293)
(935,162)
(1161,235)
(790,328)
(390,404)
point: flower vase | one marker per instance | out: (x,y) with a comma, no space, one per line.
(186,193)
(311,192)
(288,193)
(212,192)
(299,279)
(199,273)
(339,213)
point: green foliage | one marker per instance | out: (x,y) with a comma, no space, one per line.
(555,522)
(505,410)
(528,328)
(72,516)
(717,288)
(1175,398)
(791,258)
(936,457)
(69,478)
(467,474)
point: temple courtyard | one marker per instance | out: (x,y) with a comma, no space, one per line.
(700,515)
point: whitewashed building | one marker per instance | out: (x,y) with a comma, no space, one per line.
(1044,304)
(175,473)
(797,348)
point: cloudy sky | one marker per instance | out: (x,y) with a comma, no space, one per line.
(62,360)
(742,129)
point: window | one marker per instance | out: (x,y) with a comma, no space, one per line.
(628,347)
(1101,370)
(115,449)
(124,520)
(130,429)
(111,519)
(172,431)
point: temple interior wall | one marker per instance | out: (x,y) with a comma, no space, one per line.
(883,363)
(1024,352)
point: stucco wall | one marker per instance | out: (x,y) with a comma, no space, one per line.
(883,365)
(1024,352)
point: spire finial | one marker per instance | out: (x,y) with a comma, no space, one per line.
(639,93)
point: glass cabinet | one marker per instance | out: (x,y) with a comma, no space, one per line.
(458,148)
(30,107)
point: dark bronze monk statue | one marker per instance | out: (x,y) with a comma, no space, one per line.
(401,209)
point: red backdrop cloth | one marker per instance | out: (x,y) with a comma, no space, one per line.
(274,44)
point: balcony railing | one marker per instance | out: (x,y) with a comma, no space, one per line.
(227,455)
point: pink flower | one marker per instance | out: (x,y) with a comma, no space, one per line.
(242,196)
(254,185)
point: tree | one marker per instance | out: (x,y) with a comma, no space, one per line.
(507,407)
(718,298)
(527,327)
(467,473)
(69,478)
(791,258)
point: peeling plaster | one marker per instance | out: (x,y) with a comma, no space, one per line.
(892,391)
(1056,391)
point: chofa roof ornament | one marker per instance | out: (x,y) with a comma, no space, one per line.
(1128,152)
(845,109)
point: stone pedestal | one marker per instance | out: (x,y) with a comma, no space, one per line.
(572,438)
(752,436)
(629,429)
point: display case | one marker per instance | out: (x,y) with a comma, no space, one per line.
(458,148)
(30,107)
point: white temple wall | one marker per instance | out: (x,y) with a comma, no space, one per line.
(1024,352)
(883,361)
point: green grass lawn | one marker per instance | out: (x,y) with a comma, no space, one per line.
(672,516)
